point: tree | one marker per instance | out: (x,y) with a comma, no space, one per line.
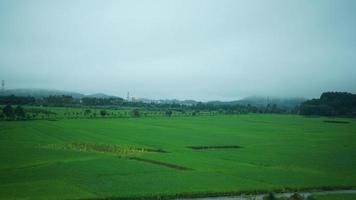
(169,113)
(20,112)
(331,104)
(87,112)
(8,111)
(60,100)
(135,113)
(103,113)
(17,100)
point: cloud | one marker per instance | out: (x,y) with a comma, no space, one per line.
(180,49)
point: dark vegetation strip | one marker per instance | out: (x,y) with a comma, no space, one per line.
(215,147)
(224,194)
(102,148)
(337,122)
(169,165)
(156,150)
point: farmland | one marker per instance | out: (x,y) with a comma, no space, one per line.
(174,156)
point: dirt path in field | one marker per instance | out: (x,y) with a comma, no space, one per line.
(282,194)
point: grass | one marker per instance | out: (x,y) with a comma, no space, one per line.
(82,158)
(102,148)
(214,147)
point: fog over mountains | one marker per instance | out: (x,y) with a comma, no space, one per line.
(182,49)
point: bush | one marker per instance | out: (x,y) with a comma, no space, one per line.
(20,112)
(169,113)
(8,112)
(135,113)
(103,113)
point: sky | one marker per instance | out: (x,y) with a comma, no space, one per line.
(184,49)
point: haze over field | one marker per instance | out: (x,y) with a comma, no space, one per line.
(200,49)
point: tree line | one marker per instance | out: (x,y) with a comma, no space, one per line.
(10,113)
(331,104)
(69,101)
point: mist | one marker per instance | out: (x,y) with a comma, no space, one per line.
(184,49)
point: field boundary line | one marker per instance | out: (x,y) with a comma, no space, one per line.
(155,162)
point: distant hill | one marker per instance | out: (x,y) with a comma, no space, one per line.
(168,101)
(280,102)
(40,93)
(286,103)
(101,96)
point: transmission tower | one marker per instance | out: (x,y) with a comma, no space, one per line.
(2,85)
(128,96)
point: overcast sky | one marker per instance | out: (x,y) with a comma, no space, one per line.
(185,49)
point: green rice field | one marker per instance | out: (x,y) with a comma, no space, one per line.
(162,157)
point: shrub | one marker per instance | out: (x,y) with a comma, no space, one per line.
(20,112)
(135,113)
(169,113)
(103,113)
(8,112)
